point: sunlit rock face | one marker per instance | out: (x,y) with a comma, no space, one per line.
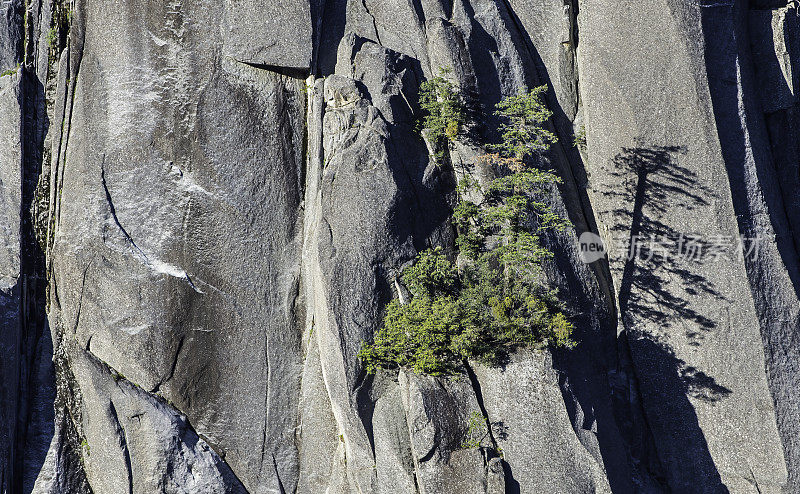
(205,208)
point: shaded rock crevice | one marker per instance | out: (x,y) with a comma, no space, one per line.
(757,186)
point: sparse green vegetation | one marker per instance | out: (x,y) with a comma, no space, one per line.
(60,24)
(476,431)
(85,447)
(495,300)
(445,115)
(580,138)
(523,133)
(10,71)
(52,38)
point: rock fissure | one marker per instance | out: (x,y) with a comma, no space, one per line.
(123,443)
(374,21)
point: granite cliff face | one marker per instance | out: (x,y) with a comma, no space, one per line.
(205,207)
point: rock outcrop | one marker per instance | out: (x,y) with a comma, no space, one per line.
(205,207)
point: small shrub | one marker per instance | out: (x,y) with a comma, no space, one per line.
(52,38)
(85,446)
(476,431)
(10,71)
(522,130)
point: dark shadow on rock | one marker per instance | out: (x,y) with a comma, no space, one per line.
(331,25)
(778,103)
(745,153)
(512,486)
(653,184)
(35,413)
(755,187)
(481,100)
(682,447)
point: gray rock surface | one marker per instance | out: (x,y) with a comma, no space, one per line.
(278,34)
(10,272)
(12,36)
(438,416)
(692,325)
(167,229)
(135,442)
(205,207)
(534,430)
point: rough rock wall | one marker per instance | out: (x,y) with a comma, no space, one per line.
(10,296)
(205,207)
(692,327)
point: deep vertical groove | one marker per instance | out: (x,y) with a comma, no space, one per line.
(123,444)
(476,386)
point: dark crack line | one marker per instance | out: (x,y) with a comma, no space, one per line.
(128,237)
(114,210)
(476,386)
(374,22)
(755,481)
(266,406)
(427,456)
(635,229)
(80,300)
(192,285)
(58,166)
(123,444)
(277,474)
(172,368)
(70,95)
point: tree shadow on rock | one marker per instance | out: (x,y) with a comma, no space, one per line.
(659,287)
(655,271)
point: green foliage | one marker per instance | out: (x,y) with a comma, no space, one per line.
(522,130)
(432,275)
(10,71)
(496,301)
(476,431)
(444,111)
(580,138)
(85,446)
(52,38)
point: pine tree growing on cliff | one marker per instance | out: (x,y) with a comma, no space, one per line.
(444,112)
(495,302)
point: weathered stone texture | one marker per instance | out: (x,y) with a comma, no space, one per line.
(228,191)
(10,273)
